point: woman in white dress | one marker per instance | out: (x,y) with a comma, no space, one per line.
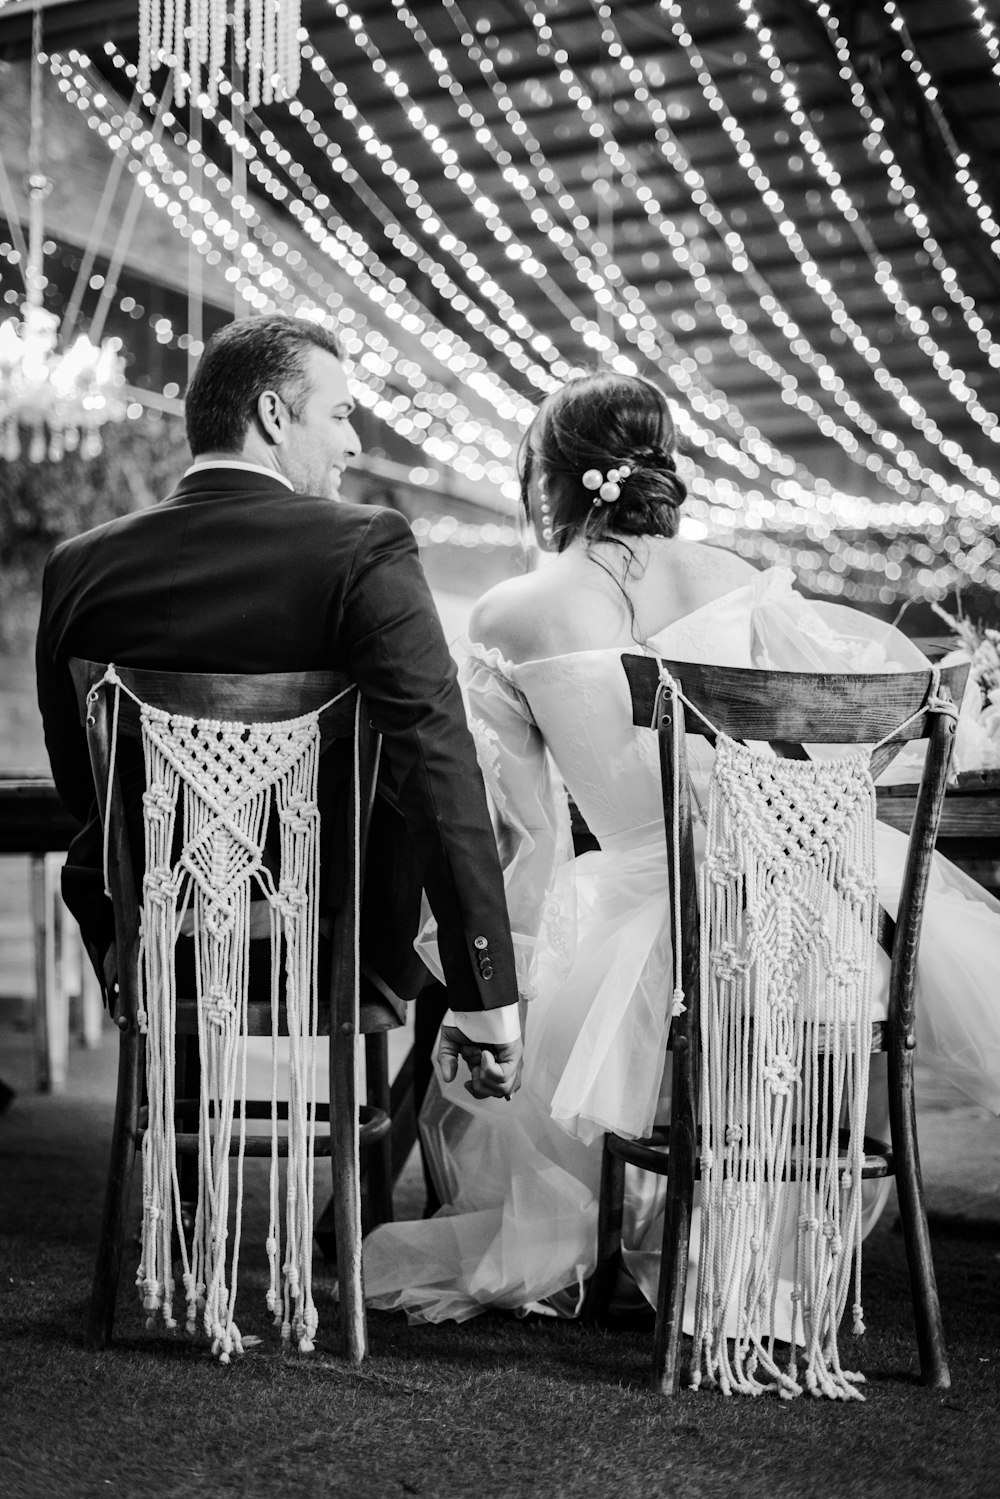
(549,706)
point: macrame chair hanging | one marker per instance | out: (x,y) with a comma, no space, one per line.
(212,788)
(789,922)
(773,942)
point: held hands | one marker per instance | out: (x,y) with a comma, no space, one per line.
(495,1069)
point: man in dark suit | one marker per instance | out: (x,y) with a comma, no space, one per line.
(253,564)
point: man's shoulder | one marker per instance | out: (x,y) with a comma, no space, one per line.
(310,518)
(360,536)
(349,515)
(75,548)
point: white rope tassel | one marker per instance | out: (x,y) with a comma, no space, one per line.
(789,916)
(298,906)
(232,777)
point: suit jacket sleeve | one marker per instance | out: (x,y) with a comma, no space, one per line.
(397,652)
(65,737)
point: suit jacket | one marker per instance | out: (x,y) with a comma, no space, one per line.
(234,573)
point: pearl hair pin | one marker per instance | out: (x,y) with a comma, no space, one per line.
(545,513)
(608,486)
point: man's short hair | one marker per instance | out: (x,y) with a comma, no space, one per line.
(240,362)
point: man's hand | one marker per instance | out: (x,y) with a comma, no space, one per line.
(495,1070)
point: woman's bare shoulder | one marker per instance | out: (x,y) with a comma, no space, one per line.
(500,619)
(539,615)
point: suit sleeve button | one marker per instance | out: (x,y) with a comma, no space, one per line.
(487,970)
(480,943)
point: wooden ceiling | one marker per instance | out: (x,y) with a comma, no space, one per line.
(497,80)
(969,94)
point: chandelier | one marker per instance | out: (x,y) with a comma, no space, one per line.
(62,397)
(189,36)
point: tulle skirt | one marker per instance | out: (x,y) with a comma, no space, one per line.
(520,1178)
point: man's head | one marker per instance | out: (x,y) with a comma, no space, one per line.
(272,390)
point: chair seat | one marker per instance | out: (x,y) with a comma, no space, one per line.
(879,1041)
(376,1014)
(374,1125)
(653,1154)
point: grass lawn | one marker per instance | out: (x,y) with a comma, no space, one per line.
(496,1407)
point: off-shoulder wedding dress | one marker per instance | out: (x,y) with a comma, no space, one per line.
(520,1178)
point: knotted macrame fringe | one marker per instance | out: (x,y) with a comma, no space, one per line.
(788,931)
(233,776)
(789,914)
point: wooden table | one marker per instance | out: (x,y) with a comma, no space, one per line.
(969,834)
(34,822)
(32,818)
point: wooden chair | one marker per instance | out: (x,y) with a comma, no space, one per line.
(789,709)
(250,700)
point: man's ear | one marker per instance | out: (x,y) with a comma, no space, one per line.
(272,415)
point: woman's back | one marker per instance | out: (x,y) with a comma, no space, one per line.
(606,594)
(560,634)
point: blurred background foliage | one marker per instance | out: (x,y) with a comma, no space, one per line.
(43,503)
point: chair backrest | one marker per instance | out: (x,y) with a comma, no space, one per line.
(273,697)
(791,710)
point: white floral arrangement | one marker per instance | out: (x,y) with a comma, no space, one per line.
(980,646)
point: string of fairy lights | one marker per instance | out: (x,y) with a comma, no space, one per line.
(783,323)
(509,343)
(886,282)
(414,317)
(625,305)
(467,260)
(884,277)
(366,267)
(416,119)
(253,270)
(820,287)
(523,260)
(369,138)
(707,436)
(421,380)
(983,214)
(880,153)
(793,518)
(988,32)
(780,515)
(637,324)
(556,189)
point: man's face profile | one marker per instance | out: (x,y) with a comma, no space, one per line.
(319,440)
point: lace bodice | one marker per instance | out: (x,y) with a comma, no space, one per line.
(582,706)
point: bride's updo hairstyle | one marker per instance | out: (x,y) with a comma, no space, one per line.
(592,426)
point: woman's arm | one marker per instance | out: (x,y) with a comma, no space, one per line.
(531,813)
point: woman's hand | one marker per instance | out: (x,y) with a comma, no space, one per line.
(495,1069)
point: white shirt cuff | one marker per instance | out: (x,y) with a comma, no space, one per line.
(498,1027)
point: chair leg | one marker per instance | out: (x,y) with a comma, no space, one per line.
(611,1206)
(916,1235)
(344,1130)
(666,1373)
(107,1271)
(378,1157)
